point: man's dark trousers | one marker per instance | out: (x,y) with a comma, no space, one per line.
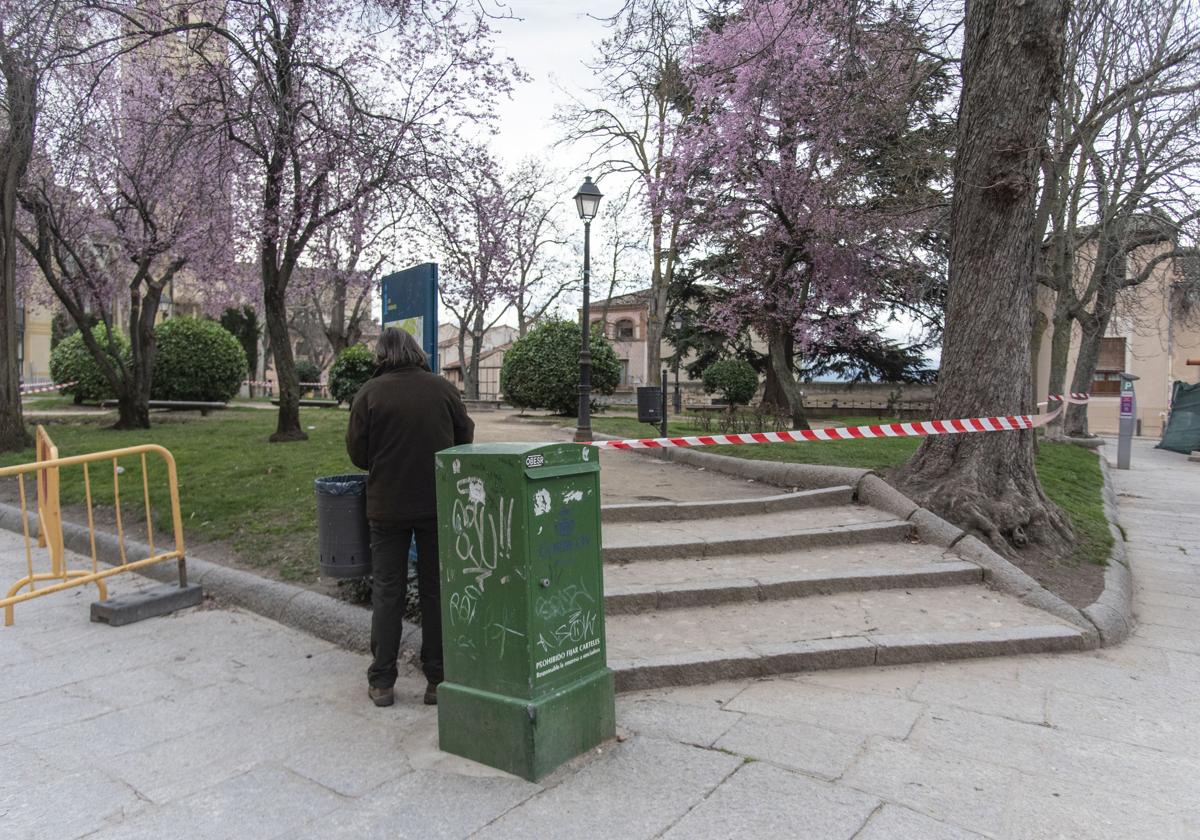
(389,567)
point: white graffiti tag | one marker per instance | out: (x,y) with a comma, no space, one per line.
(541,502)
(482,539)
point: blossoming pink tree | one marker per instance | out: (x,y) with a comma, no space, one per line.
(373,90)
(345,263)
(126,191)
(793,104)
(472,222)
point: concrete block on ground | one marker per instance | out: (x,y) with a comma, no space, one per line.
(153,601)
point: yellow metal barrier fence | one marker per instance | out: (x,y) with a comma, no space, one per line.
(50,523)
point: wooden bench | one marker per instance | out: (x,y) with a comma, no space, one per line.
(177,405)
(313,403)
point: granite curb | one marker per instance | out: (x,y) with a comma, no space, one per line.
(1105,622)
(302,609)
(1112,612)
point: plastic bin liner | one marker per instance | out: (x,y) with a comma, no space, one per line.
(354,484)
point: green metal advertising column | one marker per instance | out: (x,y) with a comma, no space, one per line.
(527,687)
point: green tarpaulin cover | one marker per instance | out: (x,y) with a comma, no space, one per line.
(1183,430)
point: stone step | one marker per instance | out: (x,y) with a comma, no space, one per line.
(851,629)
(758,534)
(671,584)
(683,511)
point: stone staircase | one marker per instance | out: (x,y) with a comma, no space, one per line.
(698,592)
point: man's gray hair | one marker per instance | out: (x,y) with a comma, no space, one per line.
(397,348)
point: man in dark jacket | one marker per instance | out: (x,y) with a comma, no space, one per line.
(399,419)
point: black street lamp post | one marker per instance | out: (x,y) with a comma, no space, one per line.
(588,202)
(677,323)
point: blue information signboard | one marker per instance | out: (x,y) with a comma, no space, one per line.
(410,303)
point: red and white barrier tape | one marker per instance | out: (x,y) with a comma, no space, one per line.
(922,428)
(272,384)
(44,389)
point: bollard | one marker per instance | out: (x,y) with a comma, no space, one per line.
(522,592)
(1128,420)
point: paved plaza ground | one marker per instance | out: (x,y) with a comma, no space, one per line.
(218,723)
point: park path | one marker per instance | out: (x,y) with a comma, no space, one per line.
(217,723)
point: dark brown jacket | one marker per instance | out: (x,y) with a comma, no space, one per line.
(399,419)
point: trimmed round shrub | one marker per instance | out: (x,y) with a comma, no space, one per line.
(72,361)
(353,366)
(541,370)
(197,360)
(734,380)
(307,371)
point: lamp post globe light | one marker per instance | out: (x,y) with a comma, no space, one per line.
(587,200)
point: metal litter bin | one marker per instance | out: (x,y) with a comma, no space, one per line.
(343,534)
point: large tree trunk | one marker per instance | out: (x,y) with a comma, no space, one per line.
(657,308)
(13,435)
(336,331)
(1060,353)
(781,358)
(134,405)
(522,305)
(772,391)
(1093,330)
(287,427)
(470,365)
(16,147)
(1112,266)
(1012,67)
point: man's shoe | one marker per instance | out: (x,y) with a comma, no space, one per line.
(431,694)
(381,696)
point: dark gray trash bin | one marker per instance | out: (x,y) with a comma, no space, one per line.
(343,535)
(650,404)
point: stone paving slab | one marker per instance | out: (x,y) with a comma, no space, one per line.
(763,801)
(648,786)
(1113,757)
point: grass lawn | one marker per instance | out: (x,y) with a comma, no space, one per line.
(1069,474)
(258,497)
(233,485)
(47,402)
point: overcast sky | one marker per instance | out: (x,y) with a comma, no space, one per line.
(550,39)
